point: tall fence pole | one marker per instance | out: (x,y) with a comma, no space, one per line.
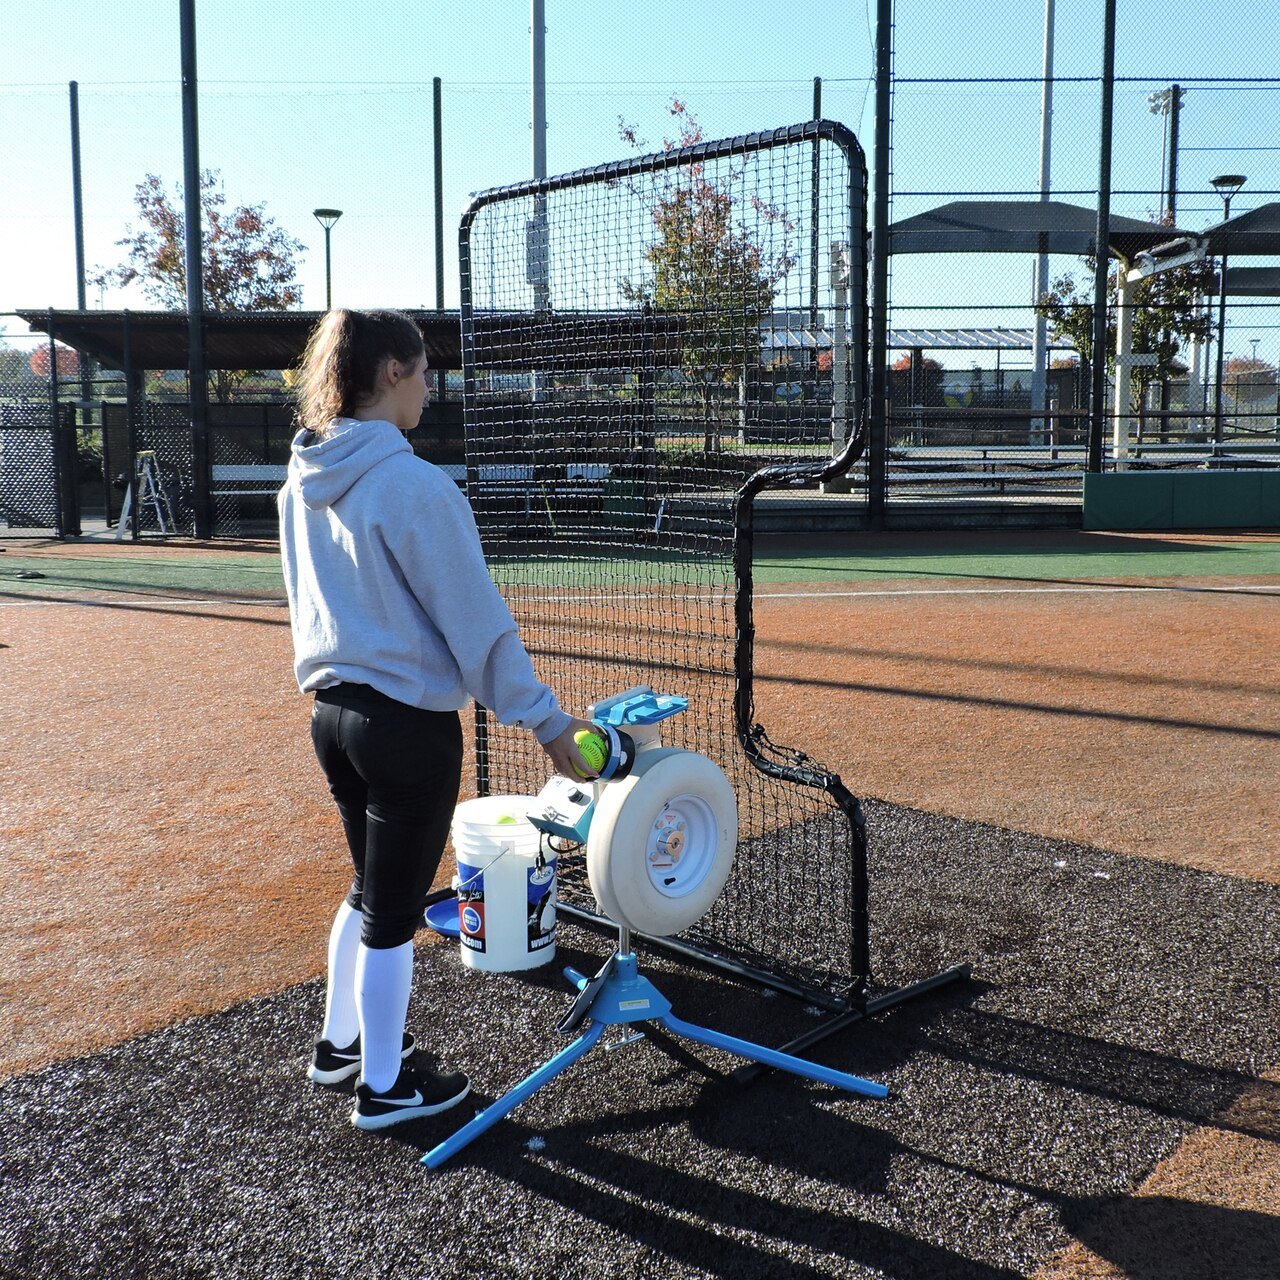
(1040,341)
(537,233)
(197,381)
(879,354)
(815,266)
(437,131)
(77,195)
(1098,391)
(77,213)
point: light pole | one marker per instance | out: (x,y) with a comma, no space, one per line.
(326,218)
(1166,103)
(1226,185)
(1040,335)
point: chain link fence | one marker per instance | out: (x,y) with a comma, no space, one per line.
(989,405)
(982,404)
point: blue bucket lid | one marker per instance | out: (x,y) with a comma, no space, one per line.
(442,916)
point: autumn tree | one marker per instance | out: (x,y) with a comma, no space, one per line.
(68,361)
(1249,369)
(705,265)
(1166,312)
(249,260)
(925,388)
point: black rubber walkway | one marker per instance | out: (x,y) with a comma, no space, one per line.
(1117,1004)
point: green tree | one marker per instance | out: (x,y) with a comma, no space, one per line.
(1251,385)
(706,267)
(16,378)
(1167,311)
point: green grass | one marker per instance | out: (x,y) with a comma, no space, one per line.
(231,575)
(1035,563)
(225,576)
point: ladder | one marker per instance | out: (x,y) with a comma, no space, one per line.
(150,490)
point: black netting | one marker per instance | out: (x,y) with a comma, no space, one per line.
(637,341)
(249,448)
(164,436)
(28,468)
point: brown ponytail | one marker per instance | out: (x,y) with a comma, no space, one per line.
(342,360)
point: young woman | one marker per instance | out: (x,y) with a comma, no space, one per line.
(396,622)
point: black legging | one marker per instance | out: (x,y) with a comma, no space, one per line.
(393,771)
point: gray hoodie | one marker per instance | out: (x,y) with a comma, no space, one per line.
(388,586)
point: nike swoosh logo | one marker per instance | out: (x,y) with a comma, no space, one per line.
(415,1101)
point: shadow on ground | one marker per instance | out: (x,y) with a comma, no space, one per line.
(1028,1103)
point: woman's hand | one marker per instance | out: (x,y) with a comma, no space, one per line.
(564,752)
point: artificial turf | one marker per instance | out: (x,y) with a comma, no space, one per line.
(1076,557)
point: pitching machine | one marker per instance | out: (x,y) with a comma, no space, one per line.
(660,827)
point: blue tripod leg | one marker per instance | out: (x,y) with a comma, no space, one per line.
(514,1097)
(772,1058)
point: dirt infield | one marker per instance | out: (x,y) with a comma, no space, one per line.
(1144,722)
(164,824)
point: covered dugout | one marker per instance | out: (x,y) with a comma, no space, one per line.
(135,410)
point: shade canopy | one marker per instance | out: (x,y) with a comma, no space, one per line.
(1022,226)
(1256,233)
(997,339)
(1253,282)
(239,340)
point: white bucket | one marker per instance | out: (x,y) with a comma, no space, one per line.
(506,887)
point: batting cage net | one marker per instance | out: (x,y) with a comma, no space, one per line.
(646,345)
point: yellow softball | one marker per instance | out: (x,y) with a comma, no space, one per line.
(592,748)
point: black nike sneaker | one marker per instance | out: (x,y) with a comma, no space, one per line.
(414,1094)
(329,1064)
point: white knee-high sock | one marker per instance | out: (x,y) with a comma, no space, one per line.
(383,979)
(341,1026)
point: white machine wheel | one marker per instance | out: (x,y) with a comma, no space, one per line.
(662,842)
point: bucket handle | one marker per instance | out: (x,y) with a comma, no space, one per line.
(539,863)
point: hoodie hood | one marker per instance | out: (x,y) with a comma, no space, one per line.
(325,469)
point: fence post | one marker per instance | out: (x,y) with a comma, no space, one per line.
(131,398)
(1098,396)
(197,380)
(878,391)
(63,440)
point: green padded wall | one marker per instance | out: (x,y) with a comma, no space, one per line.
(1174,500)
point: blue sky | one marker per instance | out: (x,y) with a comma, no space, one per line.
(306,104)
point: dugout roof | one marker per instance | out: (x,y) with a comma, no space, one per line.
(1256,233)
(1021,226)
(243,340)
(562,341)
(1253,282)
